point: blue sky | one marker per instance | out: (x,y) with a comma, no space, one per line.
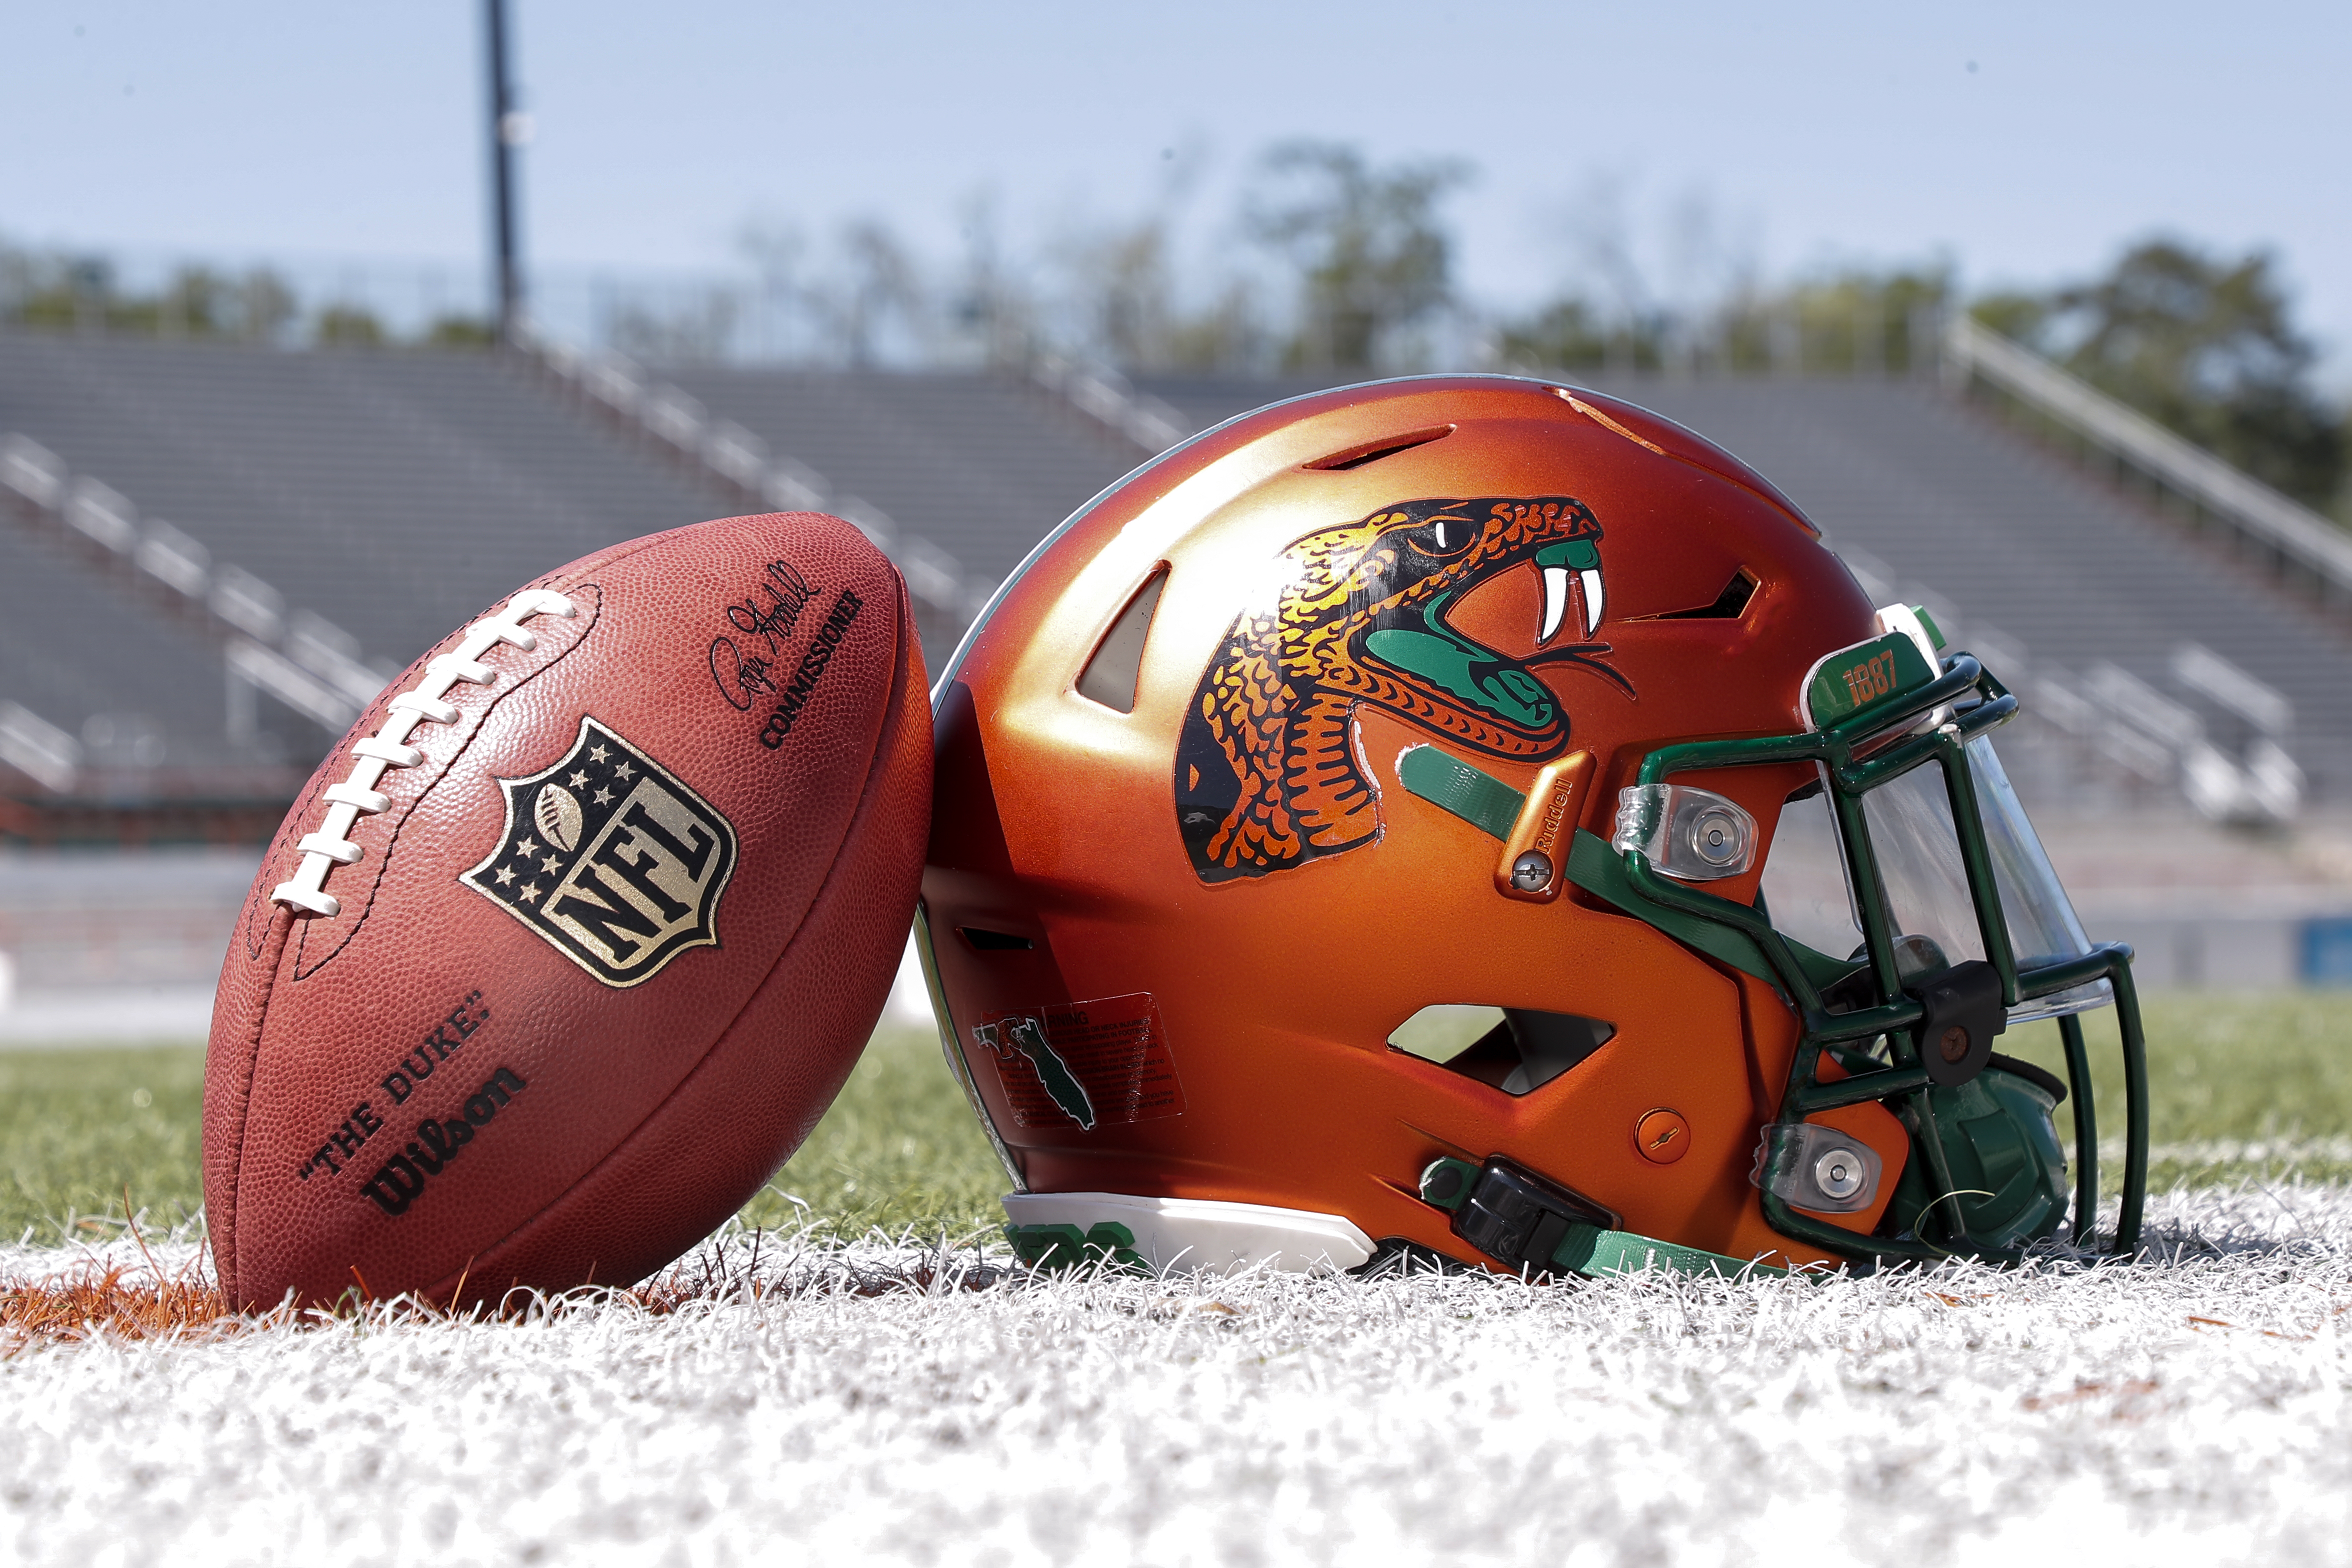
(2024,143)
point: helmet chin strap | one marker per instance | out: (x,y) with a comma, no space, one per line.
(1537,1227)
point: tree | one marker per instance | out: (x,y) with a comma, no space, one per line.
(879,280)
(1868,321)
(1371,253)
(348,326)
(1227,333)
(691,326)
(1122,281)
(1850,323)
(1565,334)
(83,293)
(2203,343)
(1127,274)
(456,331)
(989,304)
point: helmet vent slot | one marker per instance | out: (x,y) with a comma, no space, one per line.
(1729,604)
(1373,451)
(1514,1049)
(987,941)
(1110,675)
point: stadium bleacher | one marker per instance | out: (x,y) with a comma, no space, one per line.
(967,463)
(958,475)
(331,514)
(2108,617)
(359,503)
(388,492)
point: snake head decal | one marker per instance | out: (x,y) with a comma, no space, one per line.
(1266,773)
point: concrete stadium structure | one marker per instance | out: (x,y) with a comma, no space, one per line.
(210,557)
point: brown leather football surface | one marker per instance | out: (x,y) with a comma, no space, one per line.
(627,897)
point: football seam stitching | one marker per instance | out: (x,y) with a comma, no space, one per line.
(587,566)
(379,753)
(304,970)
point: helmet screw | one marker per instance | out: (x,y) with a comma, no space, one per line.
(1840,1173)
(1531,872)
(1717,837)
(1954,1044)
(1661,1136)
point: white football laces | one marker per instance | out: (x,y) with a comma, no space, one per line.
(357,795)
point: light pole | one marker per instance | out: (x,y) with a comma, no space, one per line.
(507,133)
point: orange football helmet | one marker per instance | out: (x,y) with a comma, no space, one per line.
(1478,815)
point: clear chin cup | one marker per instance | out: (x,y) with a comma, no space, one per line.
(1692,835)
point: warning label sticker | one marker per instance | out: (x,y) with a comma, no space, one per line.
(1097,1064)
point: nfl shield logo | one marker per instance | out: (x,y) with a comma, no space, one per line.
(610,859)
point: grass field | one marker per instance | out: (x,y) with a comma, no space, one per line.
(885,1401)
(2243,1086)
(80,1126)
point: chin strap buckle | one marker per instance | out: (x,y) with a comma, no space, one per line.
(1513,1215)
(1540,1229)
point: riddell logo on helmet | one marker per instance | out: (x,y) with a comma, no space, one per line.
(1267,774)
(1546,841)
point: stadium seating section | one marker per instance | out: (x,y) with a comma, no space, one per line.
(287,527)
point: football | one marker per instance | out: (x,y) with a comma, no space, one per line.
(570,942)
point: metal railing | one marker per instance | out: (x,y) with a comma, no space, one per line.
(2240,770)
(740,462)
(303,659)
(1105,396)
(2296,539)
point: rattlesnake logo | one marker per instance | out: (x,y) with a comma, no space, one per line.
(1267,771)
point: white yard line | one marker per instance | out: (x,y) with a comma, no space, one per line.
(2192,1408)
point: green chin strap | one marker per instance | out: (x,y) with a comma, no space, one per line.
(1989,1173)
